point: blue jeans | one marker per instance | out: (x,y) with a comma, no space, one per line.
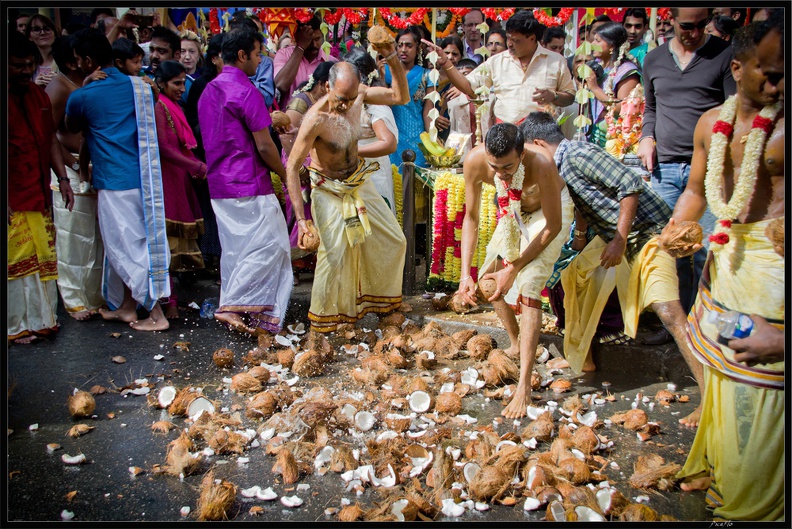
(669,181)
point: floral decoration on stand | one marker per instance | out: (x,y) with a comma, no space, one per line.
(743,188)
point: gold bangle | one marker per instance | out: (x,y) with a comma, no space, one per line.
(580,233)
(391,56)
(449,67)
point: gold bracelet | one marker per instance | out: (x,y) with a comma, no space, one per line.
(449,67)
(580,233)
(391,56)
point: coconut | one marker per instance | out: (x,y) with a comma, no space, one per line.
(536,381)
(420,401)
(574,470)
(447,348)
(463,337)
(560,385)
(557,363)
(398,423)
(538,477)
(541,429)
(587,514)
(458,305)
(166,396)
(489,483)
(308,364)
(216,499)
(379,36)
(178,460)
(395,359)
(350,513)
(434,330)
(280,120)
(573,404)
(418,384)
(547,495)
(286,358)
(162,426)
(638,512)
(775,231)
(223,358)
(390,332)
(262,406)
(585,439)
(81,404)
(394,318)
(404,510)
(425,343)
(261,373)
(314,413)
(318,341)
(505,368)
(555,512)
(309,240)
(200,405)
(611,501)
(440,301)
(343,459)
(286,466)
(632,419)
(245,383)
(441,475)
(651,471)
(665,397)
(402,342)
(479,346)
(485,289)
(448,402)
(79,429)
(256,356)
(228,442)
(680,238)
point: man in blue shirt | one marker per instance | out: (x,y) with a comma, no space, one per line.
(126,175)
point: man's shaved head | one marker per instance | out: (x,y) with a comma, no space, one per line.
(343,71)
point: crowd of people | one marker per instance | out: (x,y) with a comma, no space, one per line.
(139,156)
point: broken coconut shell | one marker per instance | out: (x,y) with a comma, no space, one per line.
(632,419)
(350,513)
(541,429)
(680,238)
(308,364)
(574,470)
(665,397)
(262,406)
(216,499)
(448,402)
(245,383)
(480,346)
(286,466)
(81,404)
(462,337)
(179,460)
(585,439)
(651,471)
(489,483)
(223,358)
(561,385)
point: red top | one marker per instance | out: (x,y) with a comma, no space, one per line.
(30,129)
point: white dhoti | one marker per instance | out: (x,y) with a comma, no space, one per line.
(531,279)
(127,248)
(32,306)
(360,260)
(79,247)
(256,263)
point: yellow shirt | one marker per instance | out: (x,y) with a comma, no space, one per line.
(514,88)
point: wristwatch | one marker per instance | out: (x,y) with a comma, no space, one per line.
(75,166)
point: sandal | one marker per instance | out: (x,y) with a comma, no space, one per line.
(615,339)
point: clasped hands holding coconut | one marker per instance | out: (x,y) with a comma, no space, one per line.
(491,287)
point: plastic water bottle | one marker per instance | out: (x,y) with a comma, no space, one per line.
(208,308)
(732,325)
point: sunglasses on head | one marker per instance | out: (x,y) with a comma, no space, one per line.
(690,26)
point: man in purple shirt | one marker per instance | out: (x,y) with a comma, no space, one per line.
(255,267)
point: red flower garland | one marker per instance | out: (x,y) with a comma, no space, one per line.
(763,123)
(559,20)
(214,21)
(459,11)
(403,23)
(333,18)
(724,128)
(498,14)
(303,14)
(664,13)
(355,16)
(719,238)
(726,223)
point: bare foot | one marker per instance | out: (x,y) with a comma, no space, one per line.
(695,484)
(27,339)
(589,366)
(518,406)
(150,324)
(692,420)
(233,322)
(82,315)
(172,312)
(513,352)
(127,316)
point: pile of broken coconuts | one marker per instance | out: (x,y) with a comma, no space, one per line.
(397,427)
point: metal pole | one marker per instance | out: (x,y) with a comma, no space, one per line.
(408,217)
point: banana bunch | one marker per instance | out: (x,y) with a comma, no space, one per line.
(434,148)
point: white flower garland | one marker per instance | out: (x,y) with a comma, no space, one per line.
(743,187)
(507,222)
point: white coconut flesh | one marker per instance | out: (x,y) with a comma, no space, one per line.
(503,443)
(267,494)
(587,514)
(589,419)
(73,460)
(283,341)
(531,504)
(198,406)
(292,381)
(387,435)
(452,509)
(557,510)
(251,492)
(578,454)
(469,376)
(296,329)
(543,356)
(267,434)
(323,457)
(420,401)
(166,396)
(534,412)
(291,501)
(470,470)
(364,421)
(387,481)
(398,507)
(481,507)
(448,387)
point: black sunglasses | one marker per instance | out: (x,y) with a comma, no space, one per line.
(690,26)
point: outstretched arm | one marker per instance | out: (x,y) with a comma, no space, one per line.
(399,91)
(456,78)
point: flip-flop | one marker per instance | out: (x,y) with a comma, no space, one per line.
(615,339)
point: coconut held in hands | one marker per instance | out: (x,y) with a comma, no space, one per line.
(485,289)
(679,239)
(775,232)
(378,35)
(309,240)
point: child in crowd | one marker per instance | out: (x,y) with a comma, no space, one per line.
(465,66)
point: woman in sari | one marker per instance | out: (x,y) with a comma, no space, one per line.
(183,217)
(413,117)
(621,76)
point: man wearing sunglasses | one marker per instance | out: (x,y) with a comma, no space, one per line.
(683,78)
